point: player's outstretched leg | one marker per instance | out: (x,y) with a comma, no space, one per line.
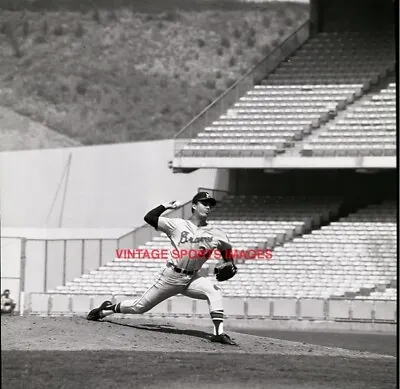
(153,296)
(202,288)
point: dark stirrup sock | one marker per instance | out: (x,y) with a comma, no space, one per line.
(116,308)
(218,320)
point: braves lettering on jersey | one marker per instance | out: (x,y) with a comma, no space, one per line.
(184,235)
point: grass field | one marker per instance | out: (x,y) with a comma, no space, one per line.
(116,369)
(130,71)
(50,353)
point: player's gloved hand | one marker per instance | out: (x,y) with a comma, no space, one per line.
(172,204)
(225,271)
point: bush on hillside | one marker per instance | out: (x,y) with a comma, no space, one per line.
(225,42)
(25,29)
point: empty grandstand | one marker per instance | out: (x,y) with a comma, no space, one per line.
(323,77)
(324,100)
(347,257)
(368,127)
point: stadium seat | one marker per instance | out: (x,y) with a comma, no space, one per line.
(324,76)
(368,128)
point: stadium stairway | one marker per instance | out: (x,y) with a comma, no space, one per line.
(277,220)
(342,259)
(387,292)
(366,127)
(324,76)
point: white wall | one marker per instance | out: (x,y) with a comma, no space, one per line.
(110,186)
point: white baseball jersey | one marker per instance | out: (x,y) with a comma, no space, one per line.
(186,236)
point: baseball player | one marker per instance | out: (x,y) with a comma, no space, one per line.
(181,273)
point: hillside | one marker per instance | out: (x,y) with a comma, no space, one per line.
(20,133)
(124,74)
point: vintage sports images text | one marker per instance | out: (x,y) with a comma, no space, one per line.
(192,254)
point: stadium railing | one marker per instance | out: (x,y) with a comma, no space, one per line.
(317,310)
(218,107)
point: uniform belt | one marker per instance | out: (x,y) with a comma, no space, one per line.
(178,270)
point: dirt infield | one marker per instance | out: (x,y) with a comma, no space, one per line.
(148,353)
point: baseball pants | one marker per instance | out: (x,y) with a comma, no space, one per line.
(171,283)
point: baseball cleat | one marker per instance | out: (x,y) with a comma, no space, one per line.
(224,339)
(95,314)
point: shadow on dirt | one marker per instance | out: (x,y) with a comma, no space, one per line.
(167,329)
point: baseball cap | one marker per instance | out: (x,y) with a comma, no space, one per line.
(204,196)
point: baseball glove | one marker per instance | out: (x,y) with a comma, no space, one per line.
(225,271)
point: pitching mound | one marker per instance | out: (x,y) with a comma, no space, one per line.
(144,334)
(142,353)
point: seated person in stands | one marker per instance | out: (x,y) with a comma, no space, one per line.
(7,303)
